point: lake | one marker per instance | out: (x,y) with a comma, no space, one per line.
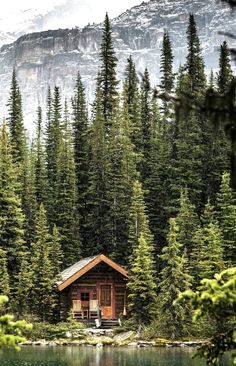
(105,356)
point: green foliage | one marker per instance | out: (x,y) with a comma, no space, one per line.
(225,74)
(15,121)
(157,192)
(142,285)
(138,219)
(81,155)
(108,77)
(99,222)
(174,279)
(194,63)
(4,277)
(10,330)
(43,298)
(216,298)
(65,211)
(187,221)
(131,101)
(121,175)
(52,331)
(11,215)
(226,213)
(207,253)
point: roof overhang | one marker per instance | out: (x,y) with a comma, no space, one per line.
(88,267)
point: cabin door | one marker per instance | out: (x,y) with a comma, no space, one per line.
(106,301)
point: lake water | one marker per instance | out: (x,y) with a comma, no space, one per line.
(106,356)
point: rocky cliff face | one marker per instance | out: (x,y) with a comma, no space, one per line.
(54,57)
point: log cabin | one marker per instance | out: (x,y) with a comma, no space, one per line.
(93,288)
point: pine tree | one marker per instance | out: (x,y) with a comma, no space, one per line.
(142,285)
(43,295)
(66,216)
(207,253)
(99,225)
(4,277)
(53,143)
(122,172)
(11,215)
(28,194)
(41,184)
(187,152)
(157,184)
(81,146)
(138,220)
(56,251)
(226,213)
(131,101)
(22,301)
(194,64)
(187,221)
(15,121)
(108,77)
(145,99)
(174,280)
(166,69)
(225,74)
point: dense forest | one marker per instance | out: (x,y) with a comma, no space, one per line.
(135,178)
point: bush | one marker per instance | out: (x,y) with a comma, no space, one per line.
(52,331)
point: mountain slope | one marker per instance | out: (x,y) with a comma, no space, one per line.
(54,57)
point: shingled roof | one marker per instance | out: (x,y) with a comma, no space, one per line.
(78,269)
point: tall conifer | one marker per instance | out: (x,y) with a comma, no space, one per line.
(108,77)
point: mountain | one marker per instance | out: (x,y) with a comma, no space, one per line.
(54,57)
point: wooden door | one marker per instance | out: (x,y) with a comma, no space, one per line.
(106,301)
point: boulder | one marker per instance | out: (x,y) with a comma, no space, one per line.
(123,336)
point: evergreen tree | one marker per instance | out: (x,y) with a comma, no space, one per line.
(56,251)
(194,65)
(138,219)
(4,277)
(225,74)
(187,221)
(145,99)
(142,285)
(108,77)
(41,184)
(28,194)
(207,254)
(157,184)
(131,101)
(81,146)
(11,215)
(167,75)
(99,225)
(174,280)
(122,172)
(53,143)
(15,121)
(226,213)
(187,152)
(66,216)
(22,301)
(43,295)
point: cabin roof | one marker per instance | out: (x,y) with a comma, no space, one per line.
(71,274)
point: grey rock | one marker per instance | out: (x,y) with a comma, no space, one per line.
(123,336)
(54,57)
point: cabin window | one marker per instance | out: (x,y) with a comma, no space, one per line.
(84,296)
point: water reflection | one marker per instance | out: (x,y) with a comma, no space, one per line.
(107,356)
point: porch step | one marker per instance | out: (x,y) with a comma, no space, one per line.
(110,323)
